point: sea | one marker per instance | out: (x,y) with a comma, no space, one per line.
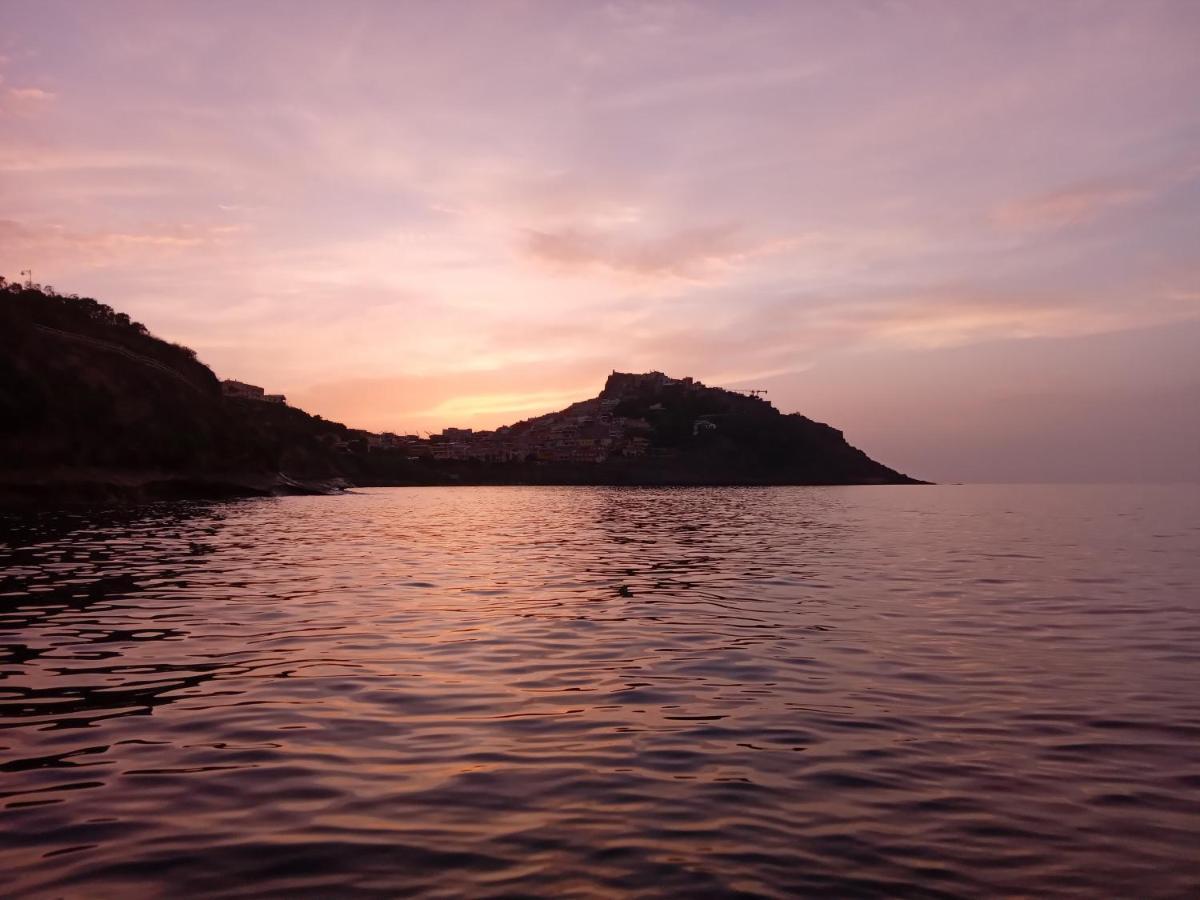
(907,691)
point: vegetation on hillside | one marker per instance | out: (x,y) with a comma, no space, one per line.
(88,317)
(83,386)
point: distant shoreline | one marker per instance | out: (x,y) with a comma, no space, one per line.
(87,487)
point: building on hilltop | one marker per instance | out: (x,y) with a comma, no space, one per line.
(243,391)
(626,384)
(231,388)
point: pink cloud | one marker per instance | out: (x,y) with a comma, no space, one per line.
(689,254)
(30,94)
(1076,205)
(23,101)
(53,242)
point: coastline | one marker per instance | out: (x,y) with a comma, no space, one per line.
(64,487)
(89,487)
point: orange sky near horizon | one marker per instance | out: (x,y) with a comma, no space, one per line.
(964,234)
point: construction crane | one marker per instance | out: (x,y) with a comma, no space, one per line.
(752,392)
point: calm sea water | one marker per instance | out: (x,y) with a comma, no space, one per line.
(942,691)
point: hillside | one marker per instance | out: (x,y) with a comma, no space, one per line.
(93,406)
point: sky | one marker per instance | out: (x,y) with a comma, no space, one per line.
(966,234)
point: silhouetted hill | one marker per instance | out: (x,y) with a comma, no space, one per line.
(91,401)
(94,406)
(744,435)
(642,429)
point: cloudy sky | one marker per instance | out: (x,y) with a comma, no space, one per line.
(968,234)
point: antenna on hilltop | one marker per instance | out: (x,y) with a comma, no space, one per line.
(28,273)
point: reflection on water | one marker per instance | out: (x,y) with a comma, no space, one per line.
(930,691)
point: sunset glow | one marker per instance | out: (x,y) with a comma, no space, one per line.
(406,217)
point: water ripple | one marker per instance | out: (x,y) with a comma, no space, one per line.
(930,692)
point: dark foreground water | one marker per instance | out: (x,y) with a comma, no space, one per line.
(950,691)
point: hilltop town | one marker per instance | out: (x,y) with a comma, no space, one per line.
(590,431)
(642,428)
